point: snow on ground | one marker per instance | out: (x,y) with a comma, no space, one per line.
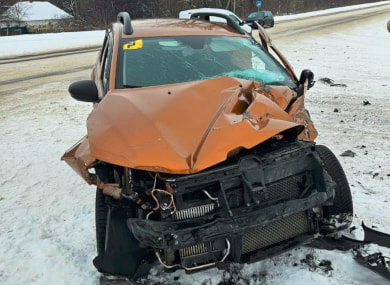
(329,11)
(38,43)
(47,225)
(32,44)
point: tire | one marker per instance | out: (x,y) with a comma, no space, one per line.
(101,212)
(339,215)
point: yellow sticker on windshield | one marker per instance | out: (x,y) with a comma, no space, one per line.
(134,45)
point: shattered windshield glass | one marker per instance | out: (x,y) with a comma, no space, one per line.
(166,60)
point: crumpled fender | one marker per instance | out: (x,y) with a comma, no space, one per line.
(301,115)
(80,159)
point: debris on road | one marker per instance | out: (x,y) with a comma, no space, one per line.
(324,264)
(330,82)
(375,261)
(348,153)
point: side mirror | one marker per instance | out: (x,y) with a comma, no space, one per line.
(308,75)
(84,90)
(306,81)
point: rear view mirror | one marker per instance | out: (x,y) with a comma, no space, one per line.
(84,90)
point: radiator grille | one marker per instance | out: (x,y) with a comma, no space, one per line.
(287,228)
(194,212)
(286,189)
(193,250)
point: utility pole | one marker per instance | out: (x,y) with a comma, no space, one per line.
(234,6)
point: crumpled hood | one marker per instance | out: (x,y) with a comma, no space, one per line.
(186,127)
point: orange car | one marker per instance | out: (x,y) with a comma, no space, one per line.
(201,149)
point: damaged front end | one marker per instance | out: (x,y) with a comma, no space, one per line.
(253,205)
(242,210)
(232,185)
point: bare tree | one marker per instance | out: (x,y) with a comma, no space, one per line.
(70,6)
(99,13)
(18,12)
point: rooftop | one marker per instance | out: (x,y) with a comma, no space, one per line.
(36,11)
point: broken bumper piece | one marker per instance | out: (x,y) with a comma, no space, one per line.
(235,212)
(175,235)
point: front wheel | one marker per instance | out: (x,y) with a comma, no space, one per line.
(339,215)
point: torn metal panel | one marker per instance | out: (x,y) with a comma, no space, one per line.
(80,159)
(184,127)
(301,115)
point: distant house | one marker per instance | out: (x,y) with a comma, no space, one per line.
(32,13)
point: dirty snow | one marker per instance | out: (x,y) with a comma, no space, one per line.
(47,211)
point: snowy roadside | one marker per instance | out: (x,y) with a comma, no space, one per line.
(328,11)
(47,226)
(43,43)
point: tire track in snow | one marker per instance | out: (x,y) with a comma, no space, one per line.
(43,75)
(47,55)
(330,24)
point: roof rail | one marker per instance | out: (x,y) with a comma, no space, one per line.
(205,16)
(124,18)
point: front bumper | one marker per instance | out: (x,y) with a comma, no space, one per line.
(175,235)
(261,200)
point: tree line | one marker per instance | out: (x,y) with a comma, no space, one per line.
(99,13)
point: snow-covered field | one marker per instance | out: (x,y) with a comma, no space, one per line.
(47,211)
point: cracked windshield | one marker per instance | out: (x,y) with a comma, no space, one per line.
(165,60)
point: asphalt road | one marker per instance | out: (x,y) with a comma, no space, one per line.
(26,72)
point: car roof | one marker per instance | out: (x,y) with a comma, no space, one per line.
(178,27)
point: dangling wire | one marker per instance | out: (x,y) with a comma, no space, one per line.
(171,206)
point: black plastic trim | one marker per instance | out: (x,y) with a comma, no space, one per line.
(124,18)
(175,235)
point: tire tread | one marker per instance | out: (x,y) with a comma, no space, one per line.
(101,211)
(343,198)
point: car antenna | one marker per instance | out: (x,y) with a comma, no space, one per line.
(124,18)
